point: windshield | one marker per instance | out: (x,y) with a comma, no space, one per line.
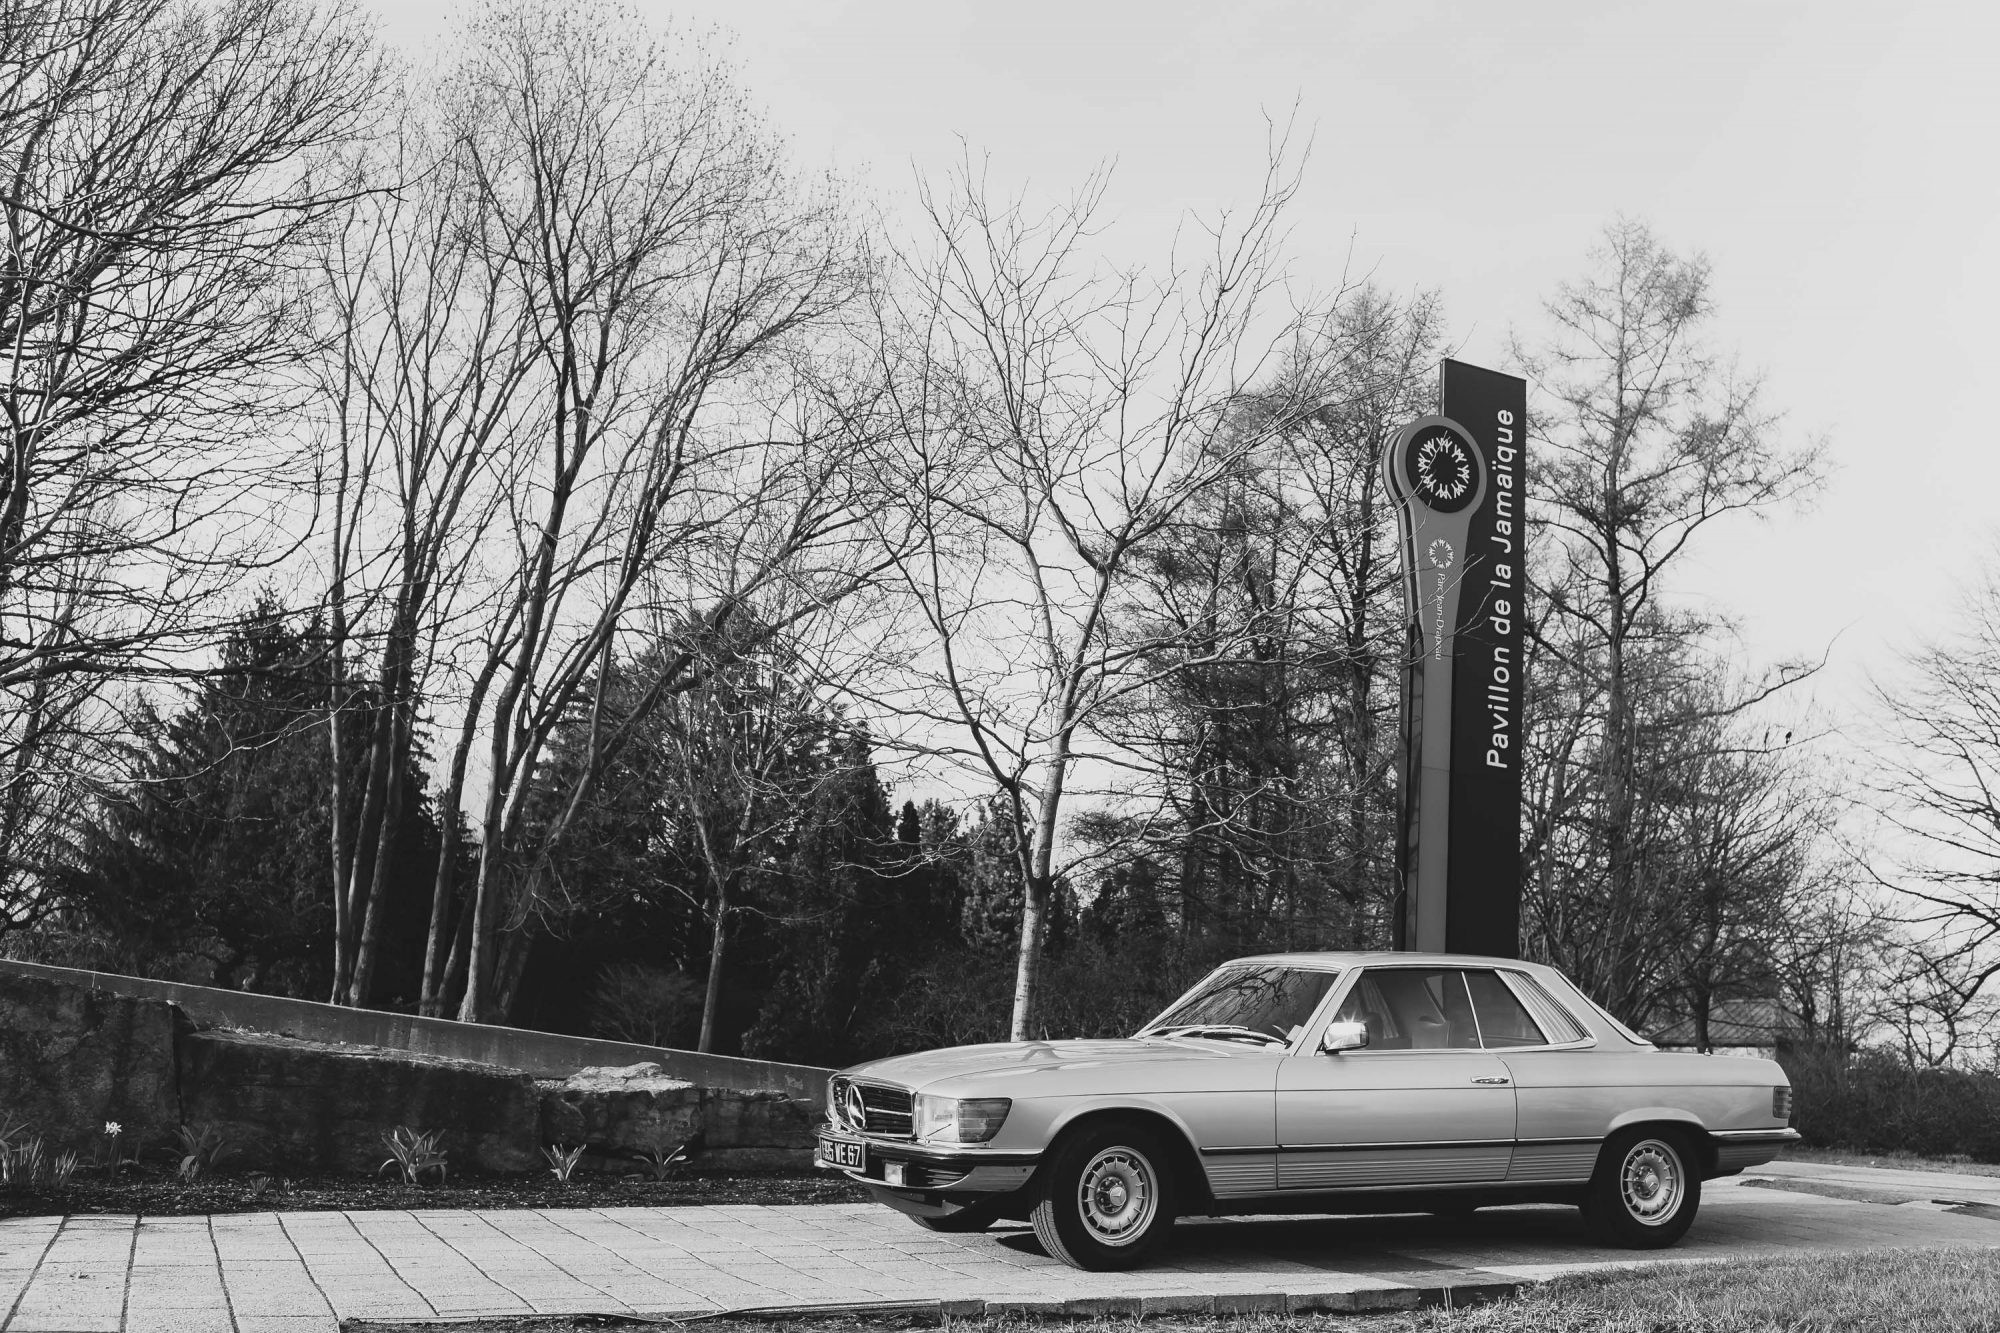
(1263,1003)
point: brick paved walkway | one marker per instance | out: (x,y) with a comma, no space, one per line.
(303,1272)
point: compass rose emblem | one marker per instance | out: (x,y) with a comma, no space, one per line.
(1444,472)
(1443,468)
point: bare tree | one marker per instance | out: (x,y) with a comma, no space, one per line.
(1643,439)
(1744,817)
(1261,733)
(1061,417)
(156,182)
(677,449)
(1939,786)
(427,384)
(748,747)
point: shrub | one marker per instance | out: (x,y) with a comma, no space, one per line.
(1875,1101)
(1088,990)
(647,1006)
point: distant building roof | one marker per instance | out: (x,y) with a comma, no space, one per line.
(1733,1023)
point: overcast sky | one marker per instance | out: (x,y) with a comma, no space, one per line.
(1835,162)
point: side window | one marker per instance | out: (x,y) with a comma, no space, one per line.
(1503,1020)
(1412,1008)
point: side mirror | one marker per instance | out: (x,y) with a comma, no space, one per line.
(1340,1037)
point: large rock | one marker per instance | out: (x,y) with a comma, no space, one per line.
(621,1113)
(73,1057)
(287,1104)
(758,1129)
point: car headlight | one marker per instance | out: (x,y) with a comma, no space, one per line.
(960,1120)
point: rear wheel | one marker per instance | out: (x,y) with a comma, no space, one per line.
(1107,1200)
(1646,1190)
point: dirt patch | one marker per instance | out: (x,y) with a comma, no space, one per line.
(155,1194)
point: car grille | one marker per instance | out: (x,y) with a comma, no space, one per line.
(889,1111)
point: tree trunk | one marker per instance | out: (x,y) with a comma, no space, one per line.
(1037,883)
(712,998)
(341,840)
(1027,971)
(372,914)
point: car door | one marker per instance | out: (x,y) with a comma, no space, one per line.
(1421,1104)
(1568,1087)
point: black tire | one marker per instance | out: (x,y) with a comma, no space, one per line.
(1107,1200)
(976,1217)
(1646,1190)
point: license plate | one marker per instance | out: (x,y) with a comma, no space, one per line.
(848,1154)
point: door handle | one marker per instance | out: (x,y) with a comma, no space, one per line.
(1489,1080)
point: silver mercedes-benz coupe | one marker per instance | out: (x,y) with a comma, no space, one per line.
(1323,1082)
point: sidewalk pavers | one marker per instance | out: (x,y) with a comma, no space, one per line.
(306,1272)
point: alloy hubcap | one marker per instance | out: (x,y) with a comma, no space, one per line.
(1651,1182)
(1116,1196)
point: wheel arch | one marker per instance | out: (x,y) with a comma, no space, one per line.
(1688,1127)
(1189,1180)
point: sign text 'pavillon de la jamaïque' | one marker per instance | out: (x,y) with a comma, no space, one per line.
(1456,480)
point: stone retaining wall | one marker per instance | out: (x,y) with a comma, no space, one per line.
(543,1054)
(74,1054)
(72,1058)
(291,1105)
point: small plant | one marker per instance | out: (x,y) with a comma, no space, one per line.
(22,1160)
(413,1154)
(562,1161)
(112,1151)
(202,1149)
(63,1169)
(660,1161)
(263,1182)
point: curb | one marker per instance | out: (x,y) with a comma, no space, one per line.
(1370,1300)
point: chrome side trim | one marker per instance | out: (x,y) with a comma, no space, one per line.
(1414,1145)
(1733,1136)
(1423,1145)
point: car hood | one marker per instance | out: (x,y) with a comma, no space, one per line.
(1030,1059)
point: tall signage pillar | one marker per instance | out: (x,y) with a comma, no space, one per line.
(1456,482)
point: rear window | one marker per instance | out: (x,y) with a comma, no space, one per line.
(1550,1016)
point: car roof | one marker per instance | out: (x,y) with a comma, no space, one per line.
(1358,957)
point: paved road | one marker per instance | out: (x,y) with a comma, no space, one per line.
(303,1272)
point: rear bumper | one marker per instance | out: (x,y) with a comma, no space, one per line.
(1736,1149)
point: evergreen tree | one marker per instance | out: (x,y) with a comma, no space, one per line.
(207,860)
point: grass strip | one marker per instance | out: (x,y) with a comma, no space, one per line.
(1884,1291)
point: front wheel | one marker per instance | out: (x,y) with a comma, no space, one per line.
(1106,1200)
(1646,1190)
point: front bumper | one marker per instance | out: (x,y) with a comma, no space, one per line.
(902,1166)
